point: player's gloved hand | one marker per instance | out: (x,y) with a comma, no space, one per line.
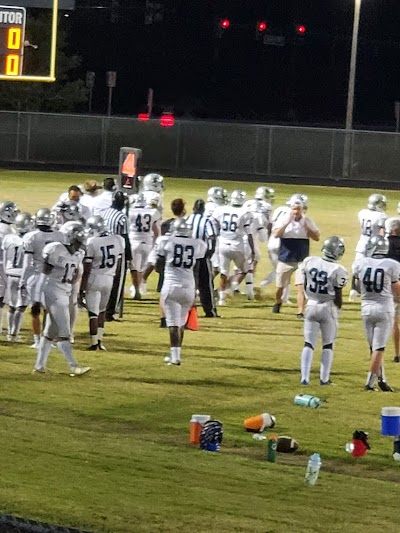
(23,292)
(82,299)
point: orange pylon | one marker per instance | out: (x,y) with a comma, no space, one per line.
(192,321)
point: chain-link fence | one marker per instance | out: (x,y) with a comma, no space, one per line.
(199,148)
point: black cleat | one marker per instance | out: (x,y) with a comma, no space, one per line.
(276,308)
(300,316)
(368,388)
(385,387)
(396,359)
(329,382)
(93,348)
(101,347)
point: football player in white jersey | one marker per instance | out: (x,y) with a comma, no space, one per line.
(234,223)
(153,184)
(33,244)
(61,263)
(324,280)
(392,221)
(372,223)
(103,250)
(13,258)
(8,213)
(378,278)
(216,196)
(180,252)
(144,228)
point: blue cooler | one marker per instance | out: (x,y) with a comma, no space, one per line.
(391,421)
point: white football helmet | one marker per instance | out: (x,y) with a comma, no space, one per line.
(72,231)
(217,195)
(181,228)
(153,182)
(333,248)
(377,246)
(238,198)
(377,202)
(265,193)
(95,225)
(44,217)
(140,200)
(23,223)
(8,212)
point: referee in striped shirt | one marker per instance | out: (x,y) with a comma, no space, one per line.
(117,223)
(202,228)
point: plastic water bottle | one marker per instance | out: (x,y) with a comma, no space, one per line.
(307,400)
(313,467)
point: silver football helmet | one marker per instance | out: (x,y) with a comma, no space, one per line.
(140,200)
(44,217)
(153,182)
(181,228)
(333,248)
(377,202)
(217,195)
(377,246)
(238,198)
(8,212)
(69,210)
(23,223)
(72,231)
(95,225)
(265,193)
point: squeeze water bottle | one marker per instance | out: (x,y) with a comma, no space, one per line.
(313,467)
(307,400)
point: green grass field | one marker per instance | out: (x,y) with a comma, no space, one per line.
(109,452)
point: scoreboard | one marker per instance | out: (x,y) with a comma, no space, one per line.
(12,38)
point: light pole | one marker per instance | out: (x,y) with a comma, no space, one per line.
(350,91)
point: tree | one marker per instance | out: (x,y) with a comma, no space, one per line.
(67,94)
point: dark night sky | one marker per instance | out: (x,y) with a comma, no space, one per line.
(237,77)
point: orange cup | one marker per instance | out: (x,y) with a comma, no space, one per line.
(196,425)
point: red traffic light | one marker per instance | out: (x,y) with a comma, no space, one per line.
(261,26)
(301,29)
(224,24)
(143,117)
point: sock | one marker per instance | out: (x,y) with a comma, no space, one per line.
(18,316)
(286,294)
(326,365)
(36,338)
(306,362)
(94,339)
(371,378)
(10,322)
(175,355)
(100,333)
(382,375)
(1,319)
(43,353)
(66,349)
(73,314)
(249,285)
(221,295)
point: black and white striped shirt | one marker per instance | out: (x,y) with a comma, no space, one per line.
(117,223)
(202,227)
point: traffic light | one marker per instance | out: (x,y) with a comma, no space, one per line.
(301,29)
(223,26)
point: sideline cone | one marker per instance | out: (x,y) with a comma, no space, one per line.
(192,321)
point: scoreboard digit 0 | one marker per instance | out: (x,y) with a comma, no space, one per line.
(12,37)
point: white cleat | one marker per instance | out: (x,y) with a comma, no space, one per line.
(79,371)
